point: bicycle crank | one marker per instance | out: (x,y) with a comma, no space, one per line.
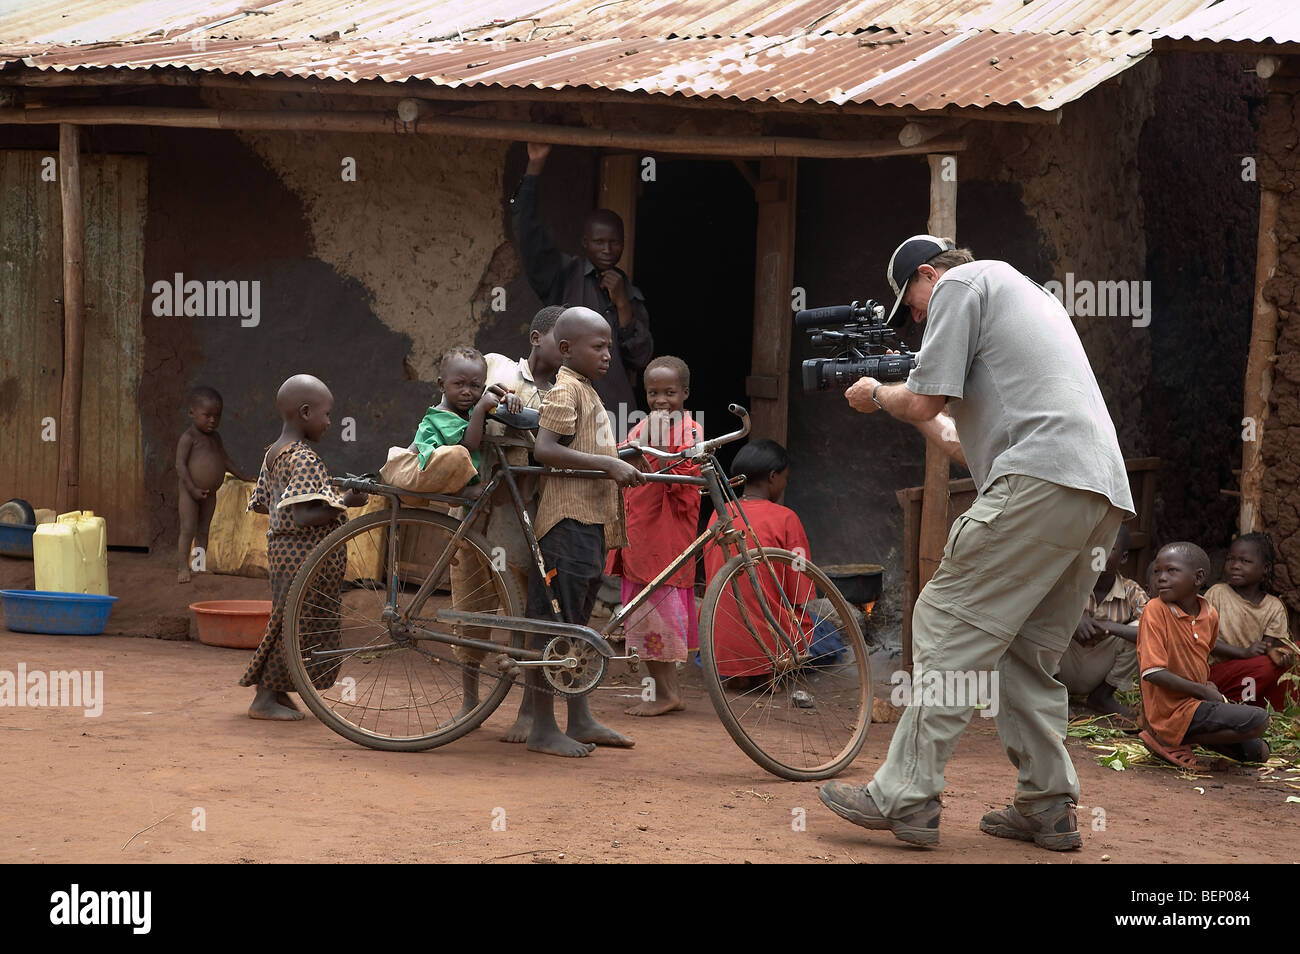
(572,666)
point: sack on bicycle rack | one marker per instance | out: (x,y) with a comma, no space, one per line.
(448,470)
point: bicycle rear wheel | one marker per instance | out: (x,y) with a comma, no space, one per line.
(360,670)
(796,698)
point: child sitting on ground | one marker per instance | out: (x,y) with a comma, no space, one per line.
(1254,647)
(201,465)
(765,465)
(459,417)
(294,489)
(1182,707)
(1102,656)
(577,519)
(662,520)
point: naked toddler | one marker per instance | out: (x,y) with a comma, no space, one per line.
(201,465)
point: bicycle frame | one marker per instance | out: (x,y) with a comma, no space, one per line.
(723,532)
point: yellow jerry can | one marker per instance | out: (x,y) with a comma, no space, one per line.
(71,554)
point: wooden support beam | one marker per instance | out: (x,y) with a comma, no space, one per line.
(923,130)
(1259,362)
(326,120)
(934,505)
(773,281)
(619,183)
(74,316)
(427,89)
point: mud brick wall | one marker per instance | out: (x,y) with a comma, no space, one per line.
(1279,170)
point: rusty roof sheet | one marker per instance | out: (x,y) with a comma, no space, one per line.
(401,21)
(1240,21)
(926,71)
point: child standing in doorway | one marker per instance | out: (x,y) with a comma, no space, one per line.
(294,489)
(661,522)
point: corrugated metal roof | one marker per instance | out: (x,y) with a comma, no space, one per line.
(1241,21)
(120,21)
(926,71)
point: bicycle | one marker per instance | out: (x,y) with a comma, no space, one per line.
(385,660)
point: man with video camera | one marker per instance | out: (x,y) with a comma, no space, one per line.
(1029,421)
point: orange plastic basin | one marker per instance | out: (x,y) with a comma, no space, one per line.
(236,624)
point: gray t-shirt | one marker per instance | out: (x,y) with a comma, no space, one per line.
(1023,396)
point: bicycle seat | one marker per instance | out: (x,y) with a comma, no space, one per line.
(525,420)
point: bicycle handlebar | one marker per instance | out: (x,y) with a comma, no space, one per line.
(709,446)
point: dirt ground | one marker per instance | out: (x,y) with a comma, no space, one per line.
(174,767)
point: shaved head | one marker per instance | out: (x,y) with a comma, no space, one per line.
(1188,552)
(299,390)
(576,322)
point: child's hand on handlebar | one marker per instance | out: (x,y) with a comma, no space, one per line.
(623,473)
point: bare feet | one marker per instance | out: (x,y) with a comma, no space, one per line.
(589,730)
(266,705)
(183,576)
(663,694)
(656,708)
(523,726)
(554,742)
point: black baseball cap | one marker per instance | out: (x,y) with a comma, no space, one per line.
(907,258)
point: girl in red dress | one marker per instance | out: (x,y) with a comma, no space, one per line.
(662,520)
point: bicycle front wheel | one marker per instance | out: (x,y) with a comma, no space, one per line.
(789,677)
(369,671)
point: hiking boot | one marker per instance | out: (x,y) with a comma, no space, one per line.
(1055,828)
(854,803)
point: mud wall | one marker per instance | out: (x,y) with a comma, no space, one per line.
(1279,170)
(1201,224)
(362,283)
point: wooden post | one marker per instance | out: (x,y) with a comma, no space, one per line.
(65,494)
(934,506)
(768,385)
(1259,366)
(618,193)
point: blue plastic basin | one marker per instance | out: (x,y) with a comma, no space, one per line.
(16,539)
(68,614)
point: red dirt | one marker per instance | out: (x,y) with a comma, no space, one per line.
(173,738)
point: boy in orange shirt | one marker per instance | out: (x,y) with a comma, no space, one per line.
(1182,707)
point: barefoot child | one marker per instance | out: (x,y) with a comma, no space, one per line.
(662,520)
(765,466)
(1102,656)
(201,465)
(1182,706)
(577,519)
(294,489)
(1254,647)
(527,379)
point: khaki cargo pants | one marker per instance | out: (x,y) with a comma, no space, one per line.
(1005,599)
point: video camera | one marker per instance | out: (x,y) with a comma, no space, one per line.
(863,340)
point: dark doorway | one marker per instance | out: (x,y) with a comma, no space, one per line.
(695,228)
(695,262)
